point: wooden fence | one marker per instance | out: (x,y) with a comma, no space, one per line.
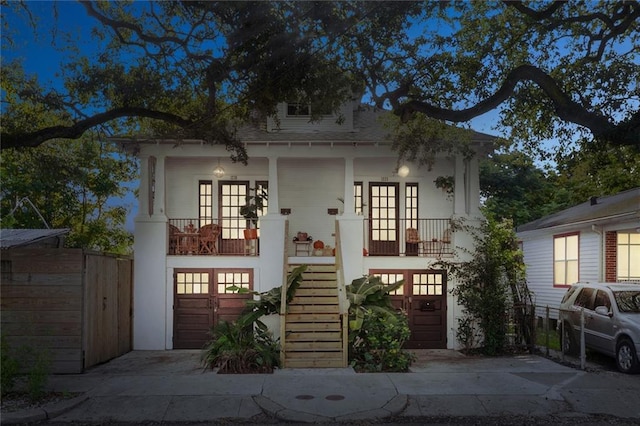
(72,305)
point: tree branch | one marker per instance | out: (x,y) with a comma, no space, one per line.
(565,107)
(33,139)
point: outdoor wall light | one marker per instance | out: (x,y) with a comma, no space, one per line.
(218,172)
(403,171)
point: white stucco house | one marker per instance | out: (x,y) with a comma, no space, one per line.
(337,182)
(596,241)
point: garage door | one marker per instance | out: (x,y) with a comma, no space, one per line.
(202,299)
(424,298)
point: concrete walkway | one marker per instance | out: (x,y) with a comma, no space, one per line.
(170,386)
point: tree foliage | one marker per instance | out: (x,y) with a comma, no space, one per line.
(189,69)
(490,285)
(514,187)
(73,184)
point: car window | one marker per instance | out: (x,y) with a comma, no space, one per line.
(568,294)
(628,301)
(585,299)
(602,299)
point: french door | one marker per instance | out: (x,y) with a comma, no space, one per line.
(383,214)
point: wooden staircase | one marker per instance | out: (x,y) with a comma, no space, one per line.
(313,324)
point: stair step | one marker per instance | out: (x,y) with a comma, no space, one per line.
(317,285)
(312,326)
(319,317)
(314,300)
(314,363)
(314,309)
(335,346)
(315,268)
(323,291)
(320,336)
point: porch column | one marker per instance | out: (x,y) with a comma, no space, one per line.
(273,206)
(159,186)
(143,188)
(349,206)
(459,208)
(473,177)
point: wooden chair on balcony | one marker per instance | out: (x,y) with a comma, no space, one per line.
(209,238)
(445,242)
(173,239)
(413,237)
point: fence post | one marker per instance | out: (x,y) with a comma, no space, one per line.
(546,330)
(562,336)
(583,354)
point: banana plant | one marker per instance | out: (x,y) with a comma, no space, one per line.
(369,293)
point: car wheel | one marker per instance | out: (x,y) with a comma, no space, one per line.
(626,357)
(569,345)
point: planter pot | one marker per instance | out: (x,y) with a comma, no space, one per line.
(250,234)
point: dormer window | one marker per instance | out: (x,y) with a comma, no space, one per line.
(297,109)
(300,109)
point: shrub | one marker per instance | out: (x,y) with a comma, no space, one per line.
(9,368)
(236,347)
(377,346)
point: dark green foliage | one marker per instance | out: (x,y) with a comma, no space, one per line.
(9,368)
(73,184)
(240,349)
(490,284)
(28,365)
(376,330)
(246,345)
(377,346)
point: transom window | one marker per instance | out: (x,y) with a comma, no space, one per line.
(565,259)
(628,258)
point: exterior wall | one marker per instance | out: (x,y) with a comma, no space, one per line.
(306,178)
(597,261)
(611,256)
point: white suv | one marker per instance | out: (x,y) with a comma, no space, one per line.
(611,321)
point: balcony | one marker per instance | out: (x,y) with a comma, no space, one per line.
(408,237)
(383,237)
(210,237)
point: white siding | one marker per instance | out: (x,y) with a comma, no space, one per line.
(538,258)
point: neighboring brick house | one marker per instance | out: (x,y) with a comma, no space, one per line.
(339,182)
(596,241)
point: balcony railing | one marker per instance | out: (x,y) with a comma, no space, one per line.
(383,237)
(210,236)
(408,237)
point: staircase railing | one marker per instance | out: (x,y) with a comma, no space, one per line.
(283,294)
(342,298)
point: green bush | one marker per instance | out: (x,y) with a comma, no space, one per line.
(377,345)
(9,368)
(36,363)
(238,348)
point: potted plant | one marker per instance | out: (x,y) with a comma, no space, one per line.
(250,211)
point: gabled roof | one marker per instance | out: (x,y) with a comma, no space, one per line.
(368,128)
(596,209)
(22,237)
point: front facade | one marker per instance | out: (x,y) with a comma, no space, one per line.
(596,241)
(338,183)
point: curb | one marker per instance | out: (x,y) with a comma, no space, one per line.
(46,412)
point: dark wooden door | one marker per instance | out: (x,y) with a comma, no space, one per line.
(383,219)
(427,310)
(202,298)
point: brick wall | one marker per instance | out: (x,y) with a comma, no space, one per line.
(611,254)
